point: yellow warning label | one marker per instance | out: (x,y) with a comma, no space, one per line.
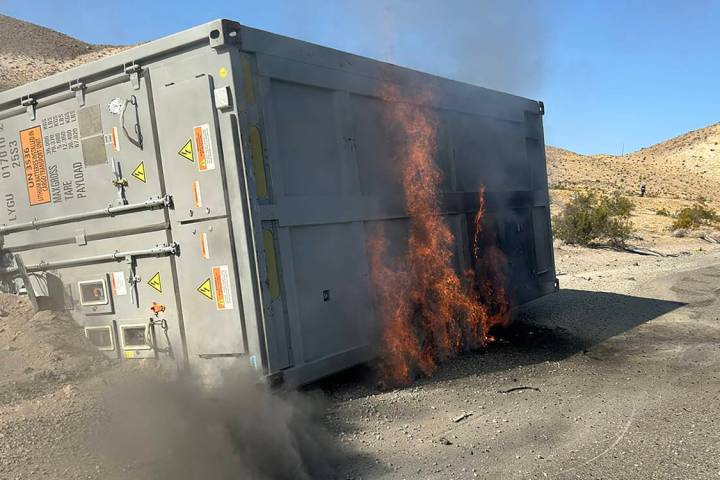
(223,72)
(206,289)
(155,282)
(129,354)
(139,172)
(187,151)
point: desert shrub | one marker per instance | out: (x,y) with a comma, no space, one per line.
(694,217)
(663,212)
(594,218)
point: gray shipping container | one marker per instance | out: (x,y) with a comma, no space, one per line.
(227,178)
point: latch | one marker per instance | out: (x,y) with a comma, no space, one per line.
(79,88)
(119,182)
(133,70)
(133,280)
(30,104)
(541,108)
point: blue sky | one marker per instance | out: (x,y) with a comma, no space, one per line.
(612,74)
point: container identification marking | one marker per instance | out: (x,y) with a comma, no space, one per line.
(204,250)
(117,280)
(187,151)
(139,172)
(197,195)
(223,293)
(36,173)
(155,282)
(203,144)
(205,289)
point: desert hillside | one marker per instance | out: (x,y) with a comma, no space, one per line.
(686,167)
(29,52)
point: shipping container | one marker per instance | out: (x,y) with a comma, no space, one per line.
(206,198)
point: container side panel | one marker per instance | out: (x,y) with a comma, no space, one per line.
(331,277)
(307,128)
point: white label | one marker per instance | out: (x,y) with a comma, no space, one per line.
(119,286)
(223,288)
(205,156)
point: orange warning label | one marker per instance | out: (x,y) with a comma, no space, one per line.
(36,174)
(204,250)
(223,294)
(115,139)
(197,196)
(203,145)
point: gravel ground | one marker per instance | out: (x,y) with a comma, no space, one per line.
(616,376)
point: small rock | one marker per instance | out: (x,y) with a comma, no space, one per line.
(444,441)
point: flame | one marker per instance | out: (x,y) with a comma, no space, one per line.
(428,313)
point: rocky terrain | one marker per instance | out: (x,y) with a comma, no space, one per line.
(686,167)
(29,52)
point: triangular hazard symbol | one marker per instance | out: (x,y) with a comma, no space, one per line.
(139,172)
(206,289)
(187,151)
(155,282)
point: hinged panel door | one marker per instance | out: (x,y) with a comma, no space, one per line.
(189,146)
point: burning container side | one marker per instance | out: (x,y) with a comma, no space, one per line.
(244,173)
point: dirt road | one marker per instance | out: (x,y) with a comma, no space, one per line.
(617,376)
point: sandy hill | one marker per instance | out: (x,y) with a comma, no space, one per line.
(685,167)
(29,52)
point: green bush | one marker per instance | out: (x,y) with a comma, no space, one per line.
(694,217)
(595,218)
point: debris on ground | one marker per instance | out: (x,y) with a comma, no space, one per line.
(462,417)
(517,389)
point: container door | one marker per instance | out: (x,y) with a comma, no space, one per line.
(194,174)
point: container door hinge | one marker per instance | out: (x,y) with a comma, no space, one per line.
(541,108)
(79,89)
(133,71)
(30,104)
(133,280)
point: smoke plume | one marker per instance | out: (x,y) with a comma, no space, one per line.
(172,430)
(499,44)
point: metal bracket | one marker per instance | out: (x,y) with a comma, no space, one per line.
(80,237)
(23,274)
(30,104)
(119,182)
(79,88)
(228,33)
(133,280)
(133,70)
(541,108)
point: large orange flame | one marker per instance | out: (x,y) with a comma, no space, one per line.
(428,314)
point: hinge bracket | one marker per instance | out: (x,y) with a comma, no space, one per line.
(79,88)
(133,70)
(30,104)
